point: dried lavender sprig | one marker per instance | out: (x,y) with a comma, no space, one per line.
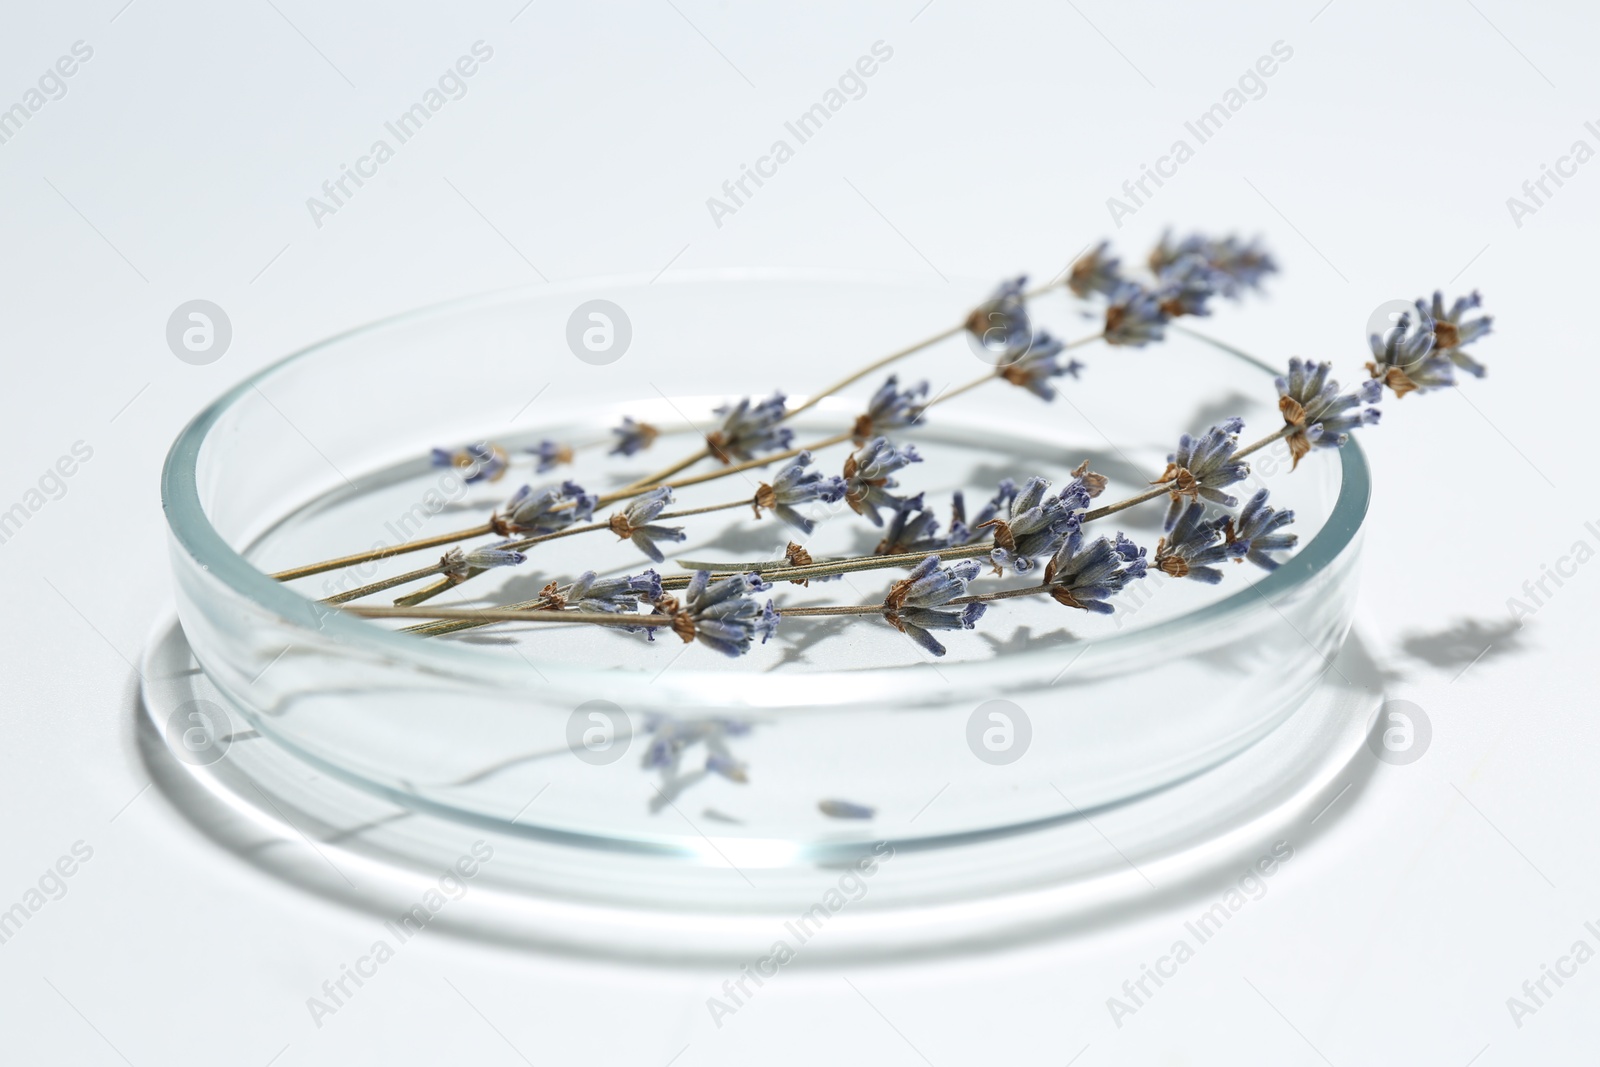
(655,481)
(604,594)
(484,615)
(843,383)
(1008,372)
(421,545)
(492,527)
(456,563)
(855,564)
(643,532)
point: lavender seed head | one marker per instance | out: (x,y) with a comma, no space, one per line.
(459,565)
(633,437)
(1256,528)
(1034,524)
(794,486)
(1000,323)
(912,528)
(868,476)
(1202,466)
(1321,415)
(1088,577)
(1405,360)
(1451,333)
(1239,265)
(723,614)
(1034,370)
(891,408)
(1096,271)
(919,602)
(544,511)
(1134,316)
(1186,284)
(636,523)
(750,428)
(482,461)
(1194,544)
(550,454)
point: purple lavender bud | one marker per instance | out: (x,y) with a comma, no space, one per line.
(1095,272)
(1186,284)
(482,461)
(1034,525)
(722,614)
(1451,333)
(550,454)
(543,511)
(636,523)
(867,476)
(1134,316)
(795,485)
(1087,578)
(1256,529)
(633,437)
(920,602)
(1321,415)
(912,528)
(1034,370)
(1202,466)
(750,428)
(460,565)
(1194,544)
(1238,265)
(891,408)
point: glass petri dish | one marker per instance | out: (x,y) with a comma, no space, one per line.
(851,738)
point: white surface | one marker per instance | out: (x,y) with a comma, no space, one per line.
(178,164)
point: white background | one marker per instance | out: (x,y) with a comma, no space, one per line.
(1377,165)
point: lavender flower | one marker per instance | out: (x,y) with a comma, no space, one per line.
(722,614)
(750,428)
(1033,526)
(891,408)
(1202,466)
(1086,578)
(1194,544)
(1321,415)
(867,476)
(590,592)
(636,523)
(1095,272)
(1450,334)
(1256,529)
(550,454)
(544,511)
(633,437)
(1134,316)
(920,602)
(459,565)
(794,486)
(479,462)
(1034,371)
(1000,324)
(1405,360)
(913,528)
(1186,284)
(1239,264)
(960,532)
